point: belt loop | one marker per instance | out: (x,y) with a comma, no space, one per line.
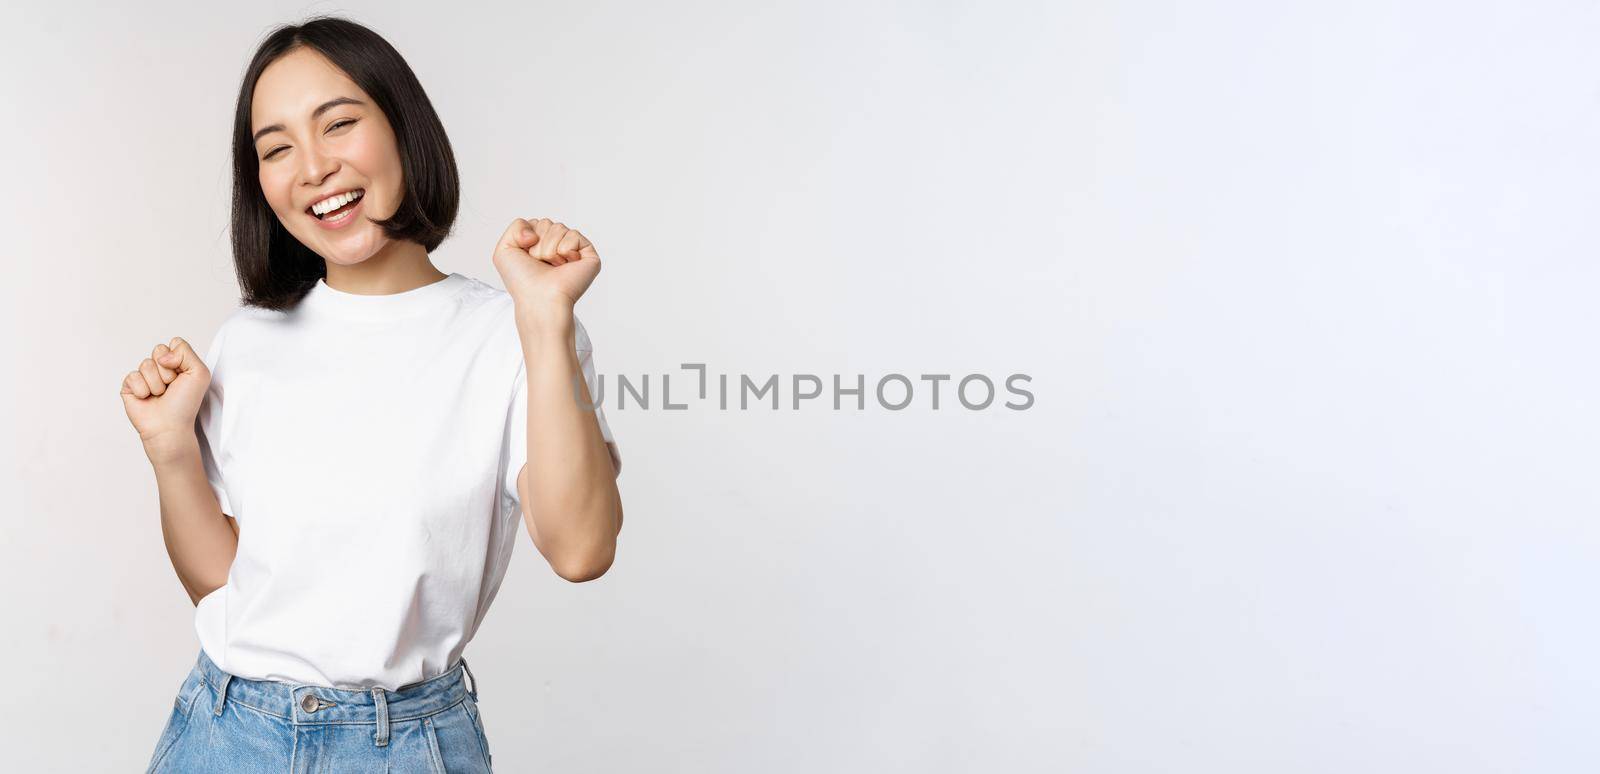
(382,702)
(474,689)
(222,692)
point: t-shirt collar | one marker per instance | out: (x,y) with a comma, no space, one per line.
(325,300)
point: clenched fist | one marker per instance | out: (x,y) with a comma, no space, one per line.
(163,396)
(545,265)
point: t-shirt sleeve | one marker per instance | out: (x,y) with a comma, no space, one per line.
(517,418)
(208,422)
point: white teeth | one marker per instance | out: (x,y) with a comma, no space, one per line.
(335,202)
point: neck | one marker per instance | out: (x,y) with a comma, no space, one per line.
(400,266)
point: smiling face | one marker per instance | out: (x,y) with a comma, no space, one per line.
(317,135)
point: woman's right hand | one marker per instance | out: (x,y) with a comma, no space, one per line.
(163,395)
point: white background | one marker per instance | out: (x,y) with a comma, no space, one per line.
(1307,295)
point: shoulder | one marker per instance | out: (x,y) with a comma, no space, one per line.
(239,324)
(477,293)
(499,304)
(248,317)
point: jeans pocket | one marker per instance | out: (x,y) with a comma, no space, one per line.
(178,719)
(176,723)
(477,725)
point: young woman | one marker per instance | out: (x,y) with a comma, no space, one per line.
(343,476)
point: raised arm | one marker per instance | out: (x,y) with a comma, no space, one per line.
(162,398)
(568,487)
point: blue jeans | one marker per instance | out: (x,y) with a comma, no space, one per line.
(224,723)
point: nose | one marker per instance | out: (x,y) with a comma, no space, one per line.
(316,166)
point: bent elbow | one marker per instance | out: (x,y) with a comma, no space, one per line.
(585,566)
(581,573)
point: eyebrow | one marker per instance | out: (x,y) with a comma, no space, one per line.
(323,108)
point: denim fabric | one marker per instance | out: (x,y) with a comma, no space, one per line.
(224,723)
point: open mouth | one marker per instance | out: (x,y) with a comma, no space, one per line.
(346,202)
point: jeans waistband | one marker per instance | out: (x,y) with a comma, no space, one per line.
(315,704)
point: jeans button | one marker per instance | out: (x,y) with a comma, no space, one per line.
(309,703)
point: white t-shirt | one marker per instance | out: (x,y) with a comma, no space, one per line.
(368,446)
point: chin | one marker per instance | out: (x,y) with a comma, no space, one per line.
(352,249)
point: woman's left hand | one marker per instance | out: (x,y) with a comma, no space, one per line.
(546,267)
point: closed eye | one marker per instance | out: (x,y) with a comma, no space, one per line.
(336,125)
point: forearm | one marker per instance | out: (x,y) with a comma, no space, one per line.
(571,496)
(201,541)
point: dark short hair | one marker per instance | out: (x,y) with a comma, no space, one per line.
(275,270)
